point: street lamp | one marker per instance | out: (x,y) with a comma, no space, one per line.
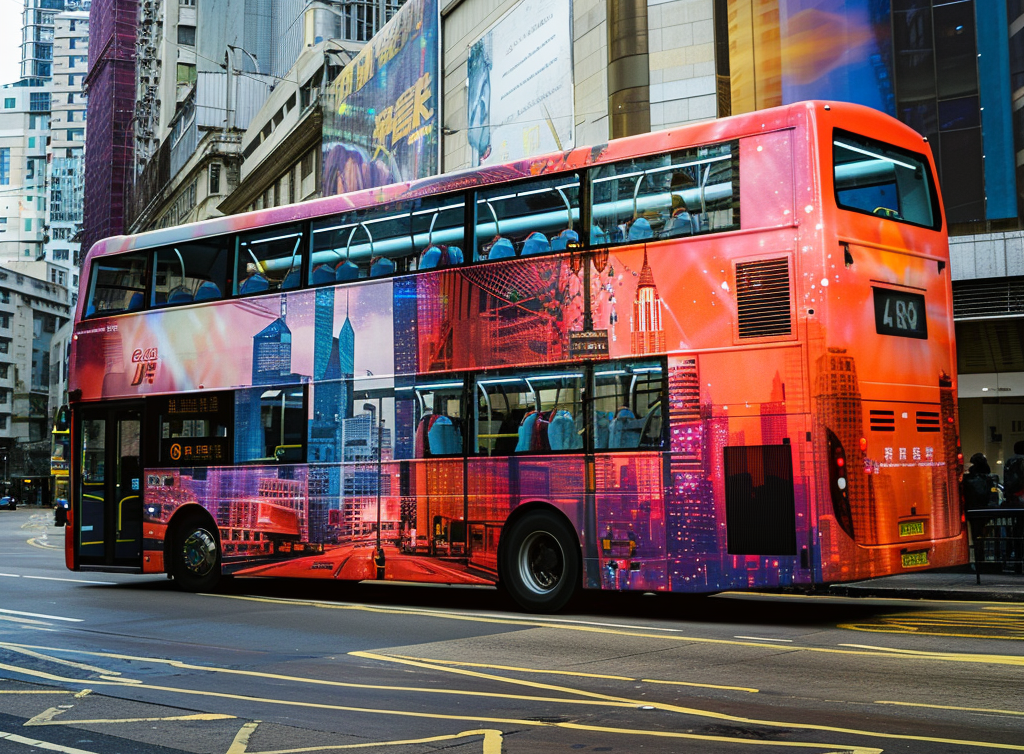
(229,67)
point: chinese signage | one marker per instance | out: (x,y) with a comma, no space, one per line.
(588,343)
(520,85)
(382,114)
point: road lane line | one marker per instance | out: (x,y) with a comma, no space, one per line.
(64,693)
(13,738)
(42,615)
(492,742)
(43,719)
(73,581)
(763,638)
(570,726)
(57,660)
(42,545)
(638,634)
(23,621)
(963,709)
(574,674)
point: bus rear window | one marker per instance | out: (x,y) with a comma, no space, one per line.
(118,284)
(878,179)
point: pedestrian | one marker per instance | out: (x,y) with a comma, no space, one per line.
(977,483)
(1013,477)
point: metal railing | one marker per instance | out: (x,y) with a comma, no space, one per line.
(998,539)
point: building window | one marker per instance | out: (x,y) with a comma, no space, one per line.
(5,323)
(71,96)
(39,101)
(10,103)
(5,346)
(187,35)
(71,43)
(31,142)
(215,178)
(5,166)
(3,371)
(28,226)
(186,73)
(60,254)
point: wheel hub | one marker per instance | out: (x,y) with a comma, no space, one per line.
(199,551)
(541,562)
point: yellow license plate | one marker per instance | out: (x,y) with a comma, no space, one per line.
(911,528)
(911,559)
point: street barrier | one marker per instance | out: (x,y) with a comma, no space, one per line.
(998,537)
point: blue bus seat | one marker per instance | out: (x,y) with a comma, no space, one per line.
(536,243)
(562,240)
(321,274)
(208,291)
(253,284)
(292,279)
(640,229)
(135,302)
(455,255)
(179,295)
(562,434)
(502,249)
(597,236)
(347,270)
(444,437)
(381,266)
(433,256)
(624,430)
(526,432)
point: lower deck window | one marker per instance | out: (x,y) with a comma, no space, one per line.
(270,425)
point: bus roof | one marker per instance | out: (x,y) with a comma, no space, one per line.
(695,134)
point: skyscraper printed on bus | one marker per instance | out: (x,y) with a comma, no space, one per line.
(655,519)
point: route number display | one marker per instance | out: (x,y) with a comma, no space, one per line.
(900,313)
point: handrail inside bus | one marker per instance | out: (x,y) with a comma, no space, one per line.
(400,245)
(865,170)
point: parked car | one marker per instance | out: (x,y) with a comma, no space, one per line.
(9,503)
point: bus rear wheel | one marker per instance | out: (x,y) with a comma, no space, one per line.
(540,562)
(195,555)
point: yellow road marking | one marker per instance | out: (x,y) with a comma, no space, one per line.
(491,742)
(992,623)
(41,545)
(83,693)
(47,718)
(637,633)
(963,709)
(38,655)
(569,726)
(320,682)
(575,674)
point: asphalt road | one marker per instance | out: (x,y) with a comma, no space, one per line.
(104,663)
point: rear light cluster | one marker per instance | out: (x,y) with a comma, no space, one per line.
(838,484)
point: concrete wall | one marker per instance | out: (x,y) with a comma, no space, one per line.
(682,61)
(987,255)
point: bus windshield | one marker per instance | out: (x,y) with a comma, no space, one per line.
(878,179)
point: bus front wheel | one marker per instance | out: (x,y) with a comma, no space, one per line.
(195,555)
(540,565)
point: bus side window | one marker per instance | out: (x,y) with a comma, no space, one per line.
(269,260)
(372,242)
(270,425)
(628,405)
(438,231)
(528,218)
(529,413)
(118,284)
(679,194)
(439,417)
(190,272)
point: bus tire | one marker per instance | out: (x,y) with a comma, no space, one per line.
(195,555)
(540,562)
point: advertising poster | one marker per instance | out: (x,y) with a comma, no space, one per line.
(520,85)
(838,50)
(381,114)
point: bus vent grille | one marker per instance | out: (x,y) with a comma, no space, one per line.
(988,297)
(883,421)
(763,299)
(928,421)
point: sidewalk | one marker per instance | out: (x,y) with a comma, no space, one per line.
(958,583)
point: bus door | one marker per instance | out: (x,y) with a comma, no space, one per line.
(108,524)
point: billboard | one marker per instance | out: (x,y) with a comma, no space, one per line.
(839,50)
(520,85)
(381,114)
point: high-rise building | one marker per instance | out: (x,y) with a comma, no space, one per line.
(24,128)
(66,149)
(109,147)
(37,21)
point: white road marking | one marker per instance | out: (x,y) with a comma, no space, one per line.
(42,744)
(762,638)
(41,615)
(55,578)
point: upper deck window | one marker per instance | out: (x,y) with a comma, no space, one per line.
(118,284)
(269,260)
(188,272)
(879,179)
(528,218)
(679,194)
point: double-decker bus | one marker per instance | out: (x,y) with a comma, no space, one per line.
(709,358)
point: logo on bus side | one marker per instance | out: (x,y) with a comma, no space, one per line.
(145,361)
